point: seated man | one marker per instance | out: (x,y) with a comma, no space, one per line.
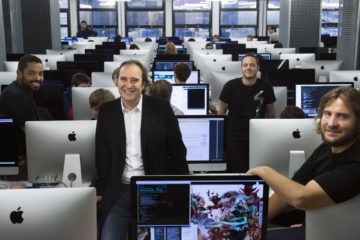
(85,32)
(162,89)
(97,98)
(324,179)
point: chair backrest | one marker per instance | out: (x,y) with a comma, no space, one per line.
(340,221)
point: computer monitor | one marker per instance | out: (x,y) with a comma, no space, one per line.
(276,52)
(308,96)
(296,59)
(51,97)
(8,146)
(204,138)
(322,68)
(218,80)
(80,100)
(48,143)
(179,56)
(7,78)
(289,77)
(281,100)
(87,66)
(68,53)
(191,99)
(199,207)
(225,67)
(194,77)
(169,65)
(346,76)
(50,60)
(100,58)
(291,135)
(48,213)
(102,79)
(81,46)
(10,66)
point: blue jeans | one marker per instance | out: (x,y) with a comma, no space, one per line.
(117,223)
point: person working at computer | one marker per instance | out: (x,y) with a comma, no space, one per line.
(328,176)
(77,80)
(244,98)
(17,100)
(136,134)
(273,36)
(170,48)
(162,89)
(85,31)
(97,98)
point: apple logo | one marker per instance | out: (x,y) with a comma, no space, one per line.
(223,68)
(72,136)
(322,67)
(296,133)
(16,216)
(355,78)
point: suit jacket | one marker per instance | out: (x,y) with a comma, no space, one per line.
(163,150)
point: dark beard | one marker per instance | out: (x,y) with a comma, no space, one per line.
(341,141)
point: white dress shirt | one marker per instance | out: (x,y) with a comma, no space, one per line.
(134,163)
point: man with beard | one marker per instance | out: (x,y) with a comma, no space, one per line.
(327,177)
(17,100)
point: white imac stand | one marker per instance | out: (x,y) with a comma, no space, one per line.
(296,159)
(72,170)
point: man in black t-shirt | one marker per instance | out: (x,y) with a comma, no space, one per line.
(244,98)
(328,176)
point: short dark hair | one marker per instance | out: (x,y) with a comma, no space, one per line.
(253,56)
(134,46)
(148,39)
(79,78)
(144,72)
(24,60)
(161,89)
(182,71)
(83,21)
(191,40)
(292,111)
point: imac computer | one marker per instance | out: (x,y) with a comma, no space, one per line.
(8,146)
(322,68)
(7,78)
(194,77)
(217,82)
(191,99)
(10,66)
(87,66)
(170,65)
(102,79)
(100,58)
(204,138)
(51,97)
(296,59)
(48,213)
(50,60)
(276,52)
(346,76)
(281,100)
(289,77)
(226,67)
(283,144)
(197,207)
(308,96)
(69,54)
(53,146)
(80,100)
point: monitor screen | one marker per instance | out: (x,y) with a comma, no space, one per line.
(51,97)
(322,68)
(8,146)
(80,101)
(169,65)
(48,213)
(191,99)
(346,76)
(290,135)
(87,66)
(199,207)
(194,77)
(289,77)
(308,96)
(50,60)
(204,139)
(47,143)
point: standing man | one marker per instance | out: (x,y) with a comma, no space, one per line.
(273,36)
(244,98)
(84,31)
(17,101)
(328,176)
(136,135)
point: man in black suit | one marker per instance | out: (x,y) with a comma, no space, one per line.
(136,135)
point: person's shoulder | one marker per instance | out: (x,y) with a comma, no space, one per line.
(109,106)
(152,102)
(12,89)
(232,82)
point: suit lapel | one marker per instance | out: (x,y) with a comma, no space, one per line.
(120,126)
(145,124)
